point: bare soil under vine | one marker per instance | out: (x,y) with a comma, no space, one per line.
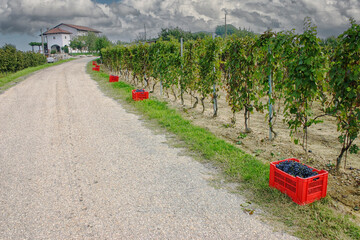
(323,144)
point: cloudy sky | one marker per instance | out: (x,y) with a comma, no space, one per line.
(21,20)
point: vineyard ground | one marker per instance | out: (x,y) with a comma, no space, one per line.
(312,220)
(323,142)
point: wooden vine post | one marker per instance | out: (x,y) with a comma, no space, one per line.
(214,86)
(182,71)
(270,105)
(161,84)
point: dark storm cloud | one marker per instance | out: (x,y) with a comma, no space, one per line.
(125,19)
(28,16)
(330,16)
(256,19)
(123,10)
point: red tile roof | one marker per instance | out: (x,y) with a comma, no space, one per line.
(80,28)
(56,30)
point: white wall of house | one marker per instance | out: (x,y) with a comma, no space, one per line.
(58,39)
(66,39)
(82,33)
(69,29)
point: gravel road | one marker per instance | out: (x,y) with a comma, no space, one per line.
(75,165)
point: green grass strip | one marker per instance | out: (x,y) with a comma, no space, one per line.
(318,220)
(87,54)
(5,81)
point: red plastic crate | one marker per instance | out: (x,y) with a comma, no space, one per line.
(113,78)
(97,68)
(301,190)
(94,63)
(139,95)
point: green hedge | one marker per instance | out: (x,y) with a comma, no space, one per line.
(13,60)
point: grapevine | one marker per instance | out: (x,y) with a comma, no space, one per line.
(306,73)
(345,89)
(190,73)
(209,67)
(265,73)
(241,79)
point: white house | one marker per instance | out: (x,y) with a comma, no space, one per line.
(61,35)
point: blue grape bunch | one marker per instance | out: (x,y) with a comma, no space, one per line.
(296,169)
(140,90)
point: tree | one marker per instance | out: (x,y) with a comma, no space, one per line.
(77,43)
(9,61)
(65,49)
(330,41)
(140,37)
(84,42)
(12,60)
(90,40)
(100,43)
(32,44)
(200,35)
(39,44)
(119,42)
(230,29)
(177,33)
(245,33)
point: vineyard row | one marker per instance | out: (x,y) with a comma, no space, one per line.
(12,60)
(288,67)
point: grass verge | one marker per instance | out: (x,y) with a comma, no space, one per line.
(79,54)
(8,80)
(319,220)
